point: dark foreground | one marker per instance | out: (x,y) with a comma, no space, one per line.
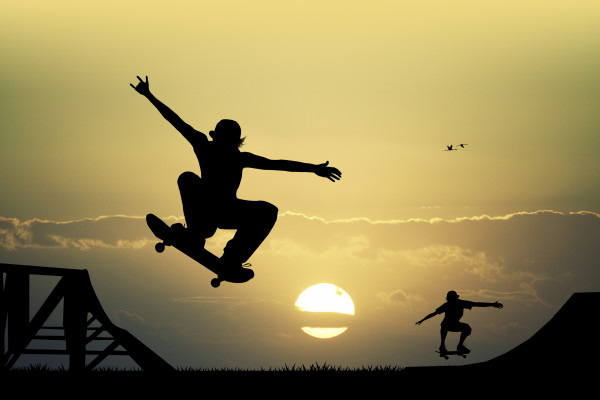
(536,368)
(469,381)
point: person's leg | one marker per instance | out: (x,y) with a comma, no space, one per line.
(464,333)
(443,334)
(253,221)
(195,203)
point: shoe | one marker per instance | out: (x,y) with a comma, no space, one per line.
(443,349)
(237,272)
(463,350)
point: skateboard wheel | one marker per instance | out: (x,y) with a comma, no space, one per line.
(215,282)
(159,247)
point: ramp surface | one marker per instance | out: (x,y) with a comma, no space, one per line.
(566,340)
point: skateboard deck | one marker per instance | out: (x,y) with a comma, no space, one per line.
(446,354)
(199,254)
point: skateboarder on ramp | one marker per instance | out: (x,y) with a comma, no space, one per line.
(453,312)
(211,202)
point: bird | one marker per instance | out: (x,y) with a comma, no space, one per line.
(450,148)
(463,145)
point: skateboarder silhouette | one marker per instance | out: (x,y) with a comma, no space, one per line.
(211,202)
(453,310)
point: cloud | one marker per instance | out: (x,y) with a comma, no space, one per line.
(124,231)
(432,220)
(127,317)
(532,257)
(114,232)
(538,255)
(220,300)
(228,303)
(399,296)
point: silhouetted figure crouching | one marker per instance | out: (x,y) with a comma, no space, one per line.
(453,312)
(210,202)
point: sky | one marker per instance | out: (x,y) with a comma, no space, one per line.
(378,89)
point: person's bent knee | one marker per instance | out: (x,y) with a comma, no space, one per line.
(271,212)
(188,179)
(265,213)
(466,330)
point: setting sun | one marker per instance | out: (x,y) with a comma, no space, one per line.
(325,298)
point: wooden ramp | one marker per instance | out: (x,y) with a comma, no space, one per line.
(84,322)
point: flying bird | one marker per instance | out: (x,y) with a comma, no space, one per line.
(450,148)
(463,145)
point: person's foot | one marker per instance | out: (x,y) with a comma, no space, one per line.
(443,349)
(462,349)
(236,272)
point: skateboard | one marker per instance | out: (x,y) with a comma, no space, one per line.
(199,254)
(445,354)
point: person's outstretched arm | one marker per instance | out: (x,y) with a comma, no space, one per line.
(481,304)
(143,88)
(323,170)
(433,314)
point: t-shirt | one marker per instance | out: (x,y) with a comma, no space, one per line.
(221,167)
(453,310)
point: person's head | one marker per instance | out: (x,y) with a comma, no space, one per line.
(228,132)
(452,295)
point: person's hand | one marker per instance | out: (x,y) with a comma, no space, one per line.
(330,173)
(498,305)
(418,322)
(142,87)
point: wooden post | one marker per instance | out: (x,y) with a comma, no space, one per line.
(2,322)
(75,320)
(16,300)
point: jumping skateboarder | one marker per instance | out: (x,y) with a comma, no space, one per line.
(211,202)
(453,309)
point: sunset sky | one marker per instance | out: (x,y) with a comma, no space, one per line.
(378,89)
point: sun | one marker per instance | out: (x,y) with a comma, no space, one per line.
(325,298)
